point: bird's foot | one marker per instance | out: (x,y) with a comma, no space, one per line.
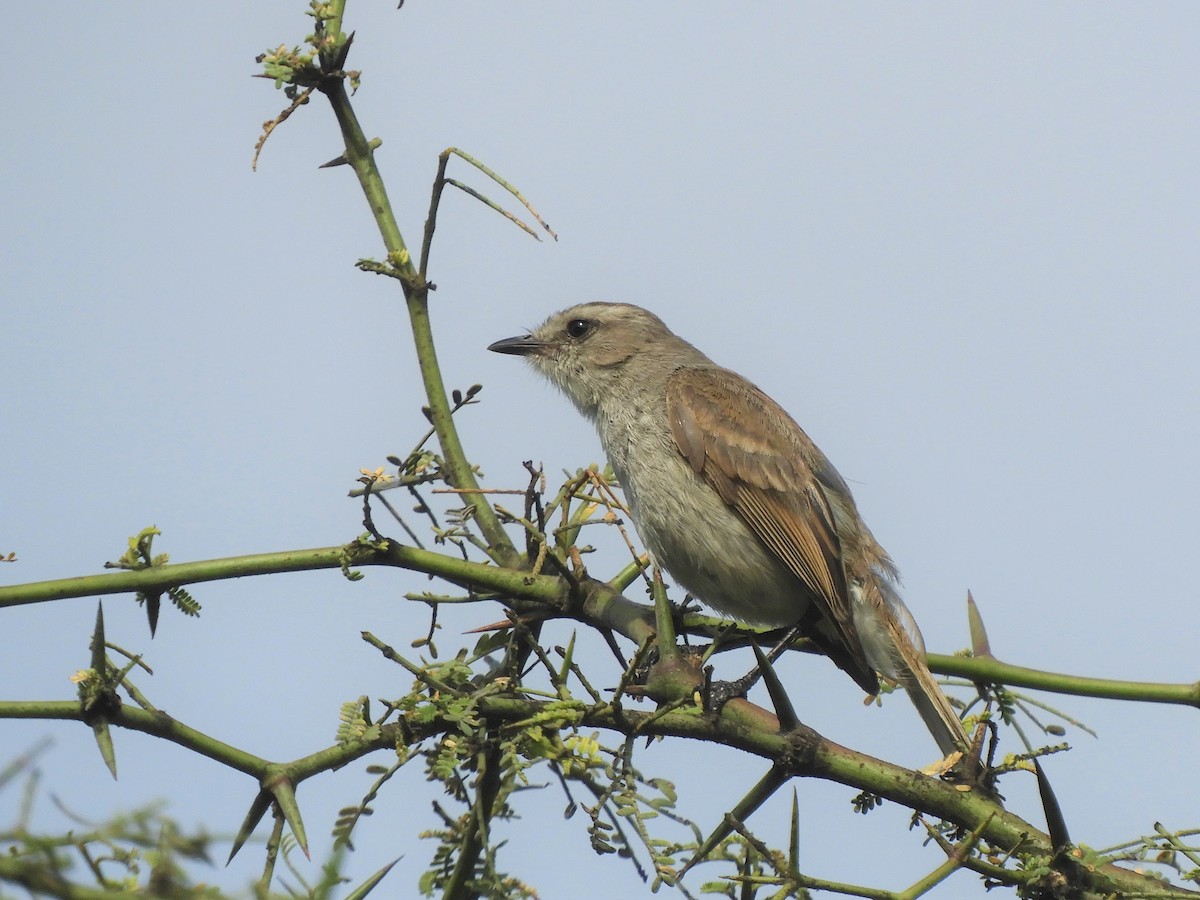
(715,694)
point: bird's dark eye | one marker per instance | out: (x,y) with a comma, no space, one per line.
(578,328)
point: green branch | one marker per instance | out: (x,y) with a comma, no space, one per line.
(801,752)
(482,576)
(155,723)
(601,604)
(989,669)
(808,753)
(360,156)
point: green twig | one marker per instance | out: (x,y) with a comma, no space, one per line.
(360,157)
(990,669)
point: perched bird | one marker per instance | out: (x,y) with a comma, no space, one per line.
(733,499)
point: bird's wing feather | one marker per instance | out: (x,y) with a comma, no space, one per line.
(761,463)
(767,469)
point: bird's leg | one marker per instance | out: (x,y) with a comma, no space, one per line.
(717,693)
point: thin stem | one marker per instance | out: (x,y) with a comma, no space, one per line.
(416,294)
(475,841)
(482,576)
(990,669)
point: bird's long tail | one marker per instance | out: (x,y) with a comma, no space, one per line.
(894,646)
(935,709)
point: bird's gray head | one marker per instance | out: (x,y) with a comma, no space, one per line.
(595,351)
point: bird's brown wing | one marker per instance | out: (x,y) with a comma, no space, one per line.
(762,464)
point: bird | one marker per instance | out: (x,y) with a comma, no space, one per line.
(733,499)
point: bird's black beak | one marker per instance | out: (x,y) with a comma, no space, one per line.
(517,346)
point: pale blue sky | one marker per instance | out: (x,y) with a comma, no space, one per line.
(958,243)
